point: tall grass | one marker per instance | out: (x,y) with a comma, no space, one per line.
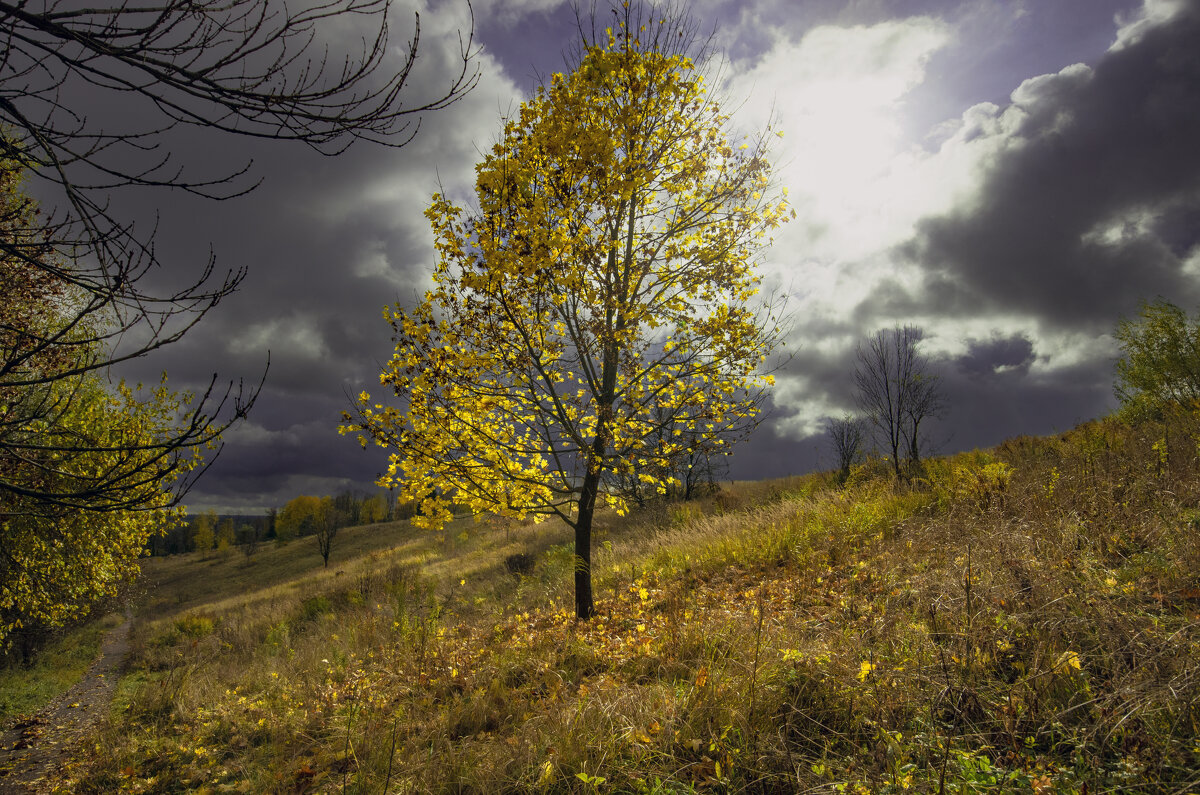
(1024,620)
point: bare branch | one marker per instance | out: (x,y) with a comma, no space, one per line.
(74,279)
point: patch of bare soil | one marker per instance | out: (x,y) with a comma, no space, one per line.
(33,752)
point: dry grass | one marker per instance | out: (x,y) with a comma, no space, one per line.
(1024,621)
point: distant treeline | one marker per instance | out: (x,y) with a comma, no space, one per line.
(301,516)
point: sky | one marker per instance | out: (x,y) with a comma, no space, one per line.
(1012,177)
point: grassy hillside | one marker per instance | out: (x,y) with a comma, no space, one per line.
(1026,620)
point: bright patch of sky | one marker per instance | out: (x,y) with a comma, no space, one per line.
(836,94)
(860,183)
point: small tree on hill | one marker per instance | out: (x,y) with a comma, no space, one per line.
(374,509)
(299,517)
(1158,374)
(226,533)
(1160,362)
(607,274)
(846,435)
(897,391)
(328,519)
(204,533)
(699,468)
(249,534)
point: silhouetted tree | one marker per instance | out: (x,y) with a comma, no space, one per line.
(268,523)
(846,434)
(249,535)
(329,519)
(897,391)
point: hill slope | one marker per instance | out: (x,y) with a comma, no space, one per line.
(1026,620)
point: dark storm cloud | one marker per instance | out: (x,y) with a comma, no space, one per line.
(773,451)
(1057,230)
(329,241)
(1013,401)
(988,358)
(828,376)
(993,392)
(256,463)
(326,242)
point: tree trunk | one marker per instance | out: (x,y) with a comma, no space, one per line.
(914,448)
(585,607)
(895,443)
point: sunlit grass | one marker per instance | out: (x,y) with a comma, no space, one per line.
(1031,627)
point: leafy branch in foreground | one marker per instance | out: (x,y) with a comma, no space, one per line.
(92,100)
(82,489)
(88,471)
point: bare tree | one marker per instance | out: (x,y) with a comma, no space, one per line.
(328,520)
(250,534)
(897,392)
(846,434)
(250,68)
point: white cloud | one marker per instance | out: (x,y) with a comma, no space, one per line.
(249,433)
(1191,263)
(1152,14)
(292,337)
(1129,224)
(837,93)
(1063,351)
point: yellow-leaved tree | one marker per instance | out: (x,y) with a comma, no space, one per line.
(59,559)
(604,289)
(89,469)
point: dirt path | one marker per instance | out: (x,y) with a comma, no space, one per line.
(33,752)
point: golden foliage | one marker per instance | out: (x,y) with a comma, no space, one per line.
(604,286)
(60,562)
